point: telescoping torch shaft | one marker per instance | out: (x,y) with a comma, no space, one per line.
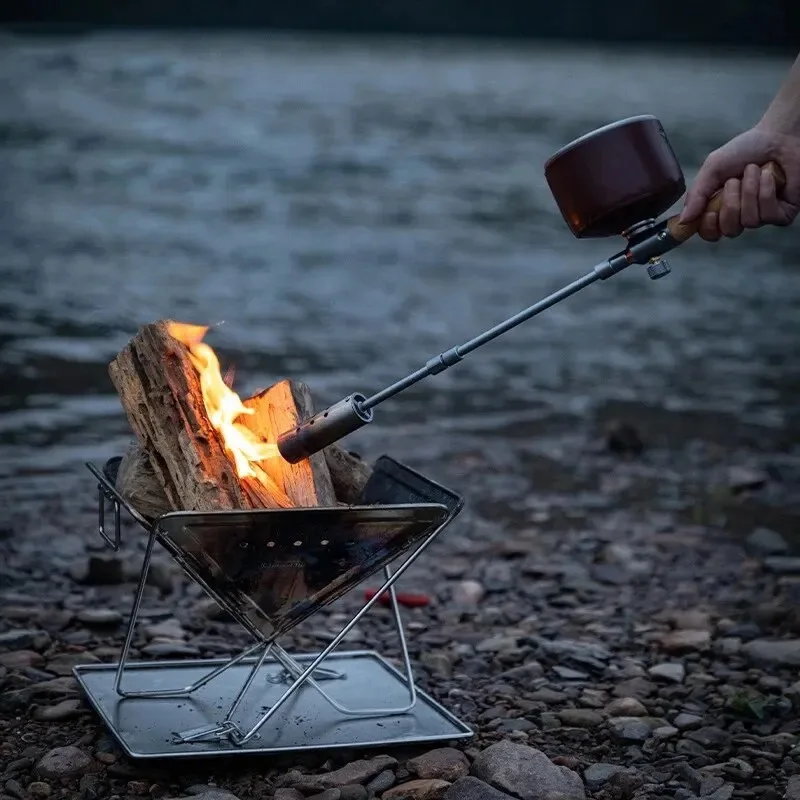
(356,410)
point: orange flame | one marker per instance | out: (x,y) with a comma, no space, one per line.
(223,406)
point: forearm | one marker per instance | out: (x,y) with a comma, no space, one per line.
(783,114)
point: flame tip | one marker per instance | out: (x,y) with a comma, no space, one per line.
(223,405)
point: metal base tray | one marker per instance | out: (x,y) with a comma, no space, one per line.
(146,729)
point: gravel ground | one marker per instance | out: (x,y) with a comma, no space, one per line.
(611,650)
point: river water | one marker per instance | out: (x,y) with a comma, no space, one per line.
(341,211)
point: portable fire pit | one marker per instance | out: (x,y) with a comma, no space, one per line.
(270,569)
(261,507)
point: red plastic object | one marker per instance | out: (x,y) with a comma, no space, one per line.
(407,599)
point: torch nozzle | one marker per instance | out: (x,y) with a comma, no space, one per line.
(324,429)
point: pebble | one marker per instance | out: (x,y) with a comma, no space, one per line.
(470,788)
(524,673)
(783,565)
(99,617)
(547,696)
(569,674)
(445,763)
(685,722)
(638,688)
(724,792)
(626,707)
(209,793)
(672,672)
(630,730)
(63,762)
(468,593)
(597,775)
(679,642)
(382,781)
(422,789)
(793,788)
(24,639)
(170,650)
(665,732)
(18,659)
(524,771)
(328,794)
(741,478)
(166,629)
(66,709)
(63,663)
(580,718)
(710,737)
(360,771)
(682,619)
(352,791)
(766,542)
(773,652)
(739,769)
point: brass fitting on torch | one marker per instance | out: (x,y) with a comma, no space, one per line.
(324,429)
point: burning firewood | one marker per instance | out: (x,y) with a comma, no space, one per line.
(277,409)
(200,448)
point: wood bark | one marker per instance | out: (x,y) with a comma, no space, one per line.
(138,483)
(349,473)
(280,408)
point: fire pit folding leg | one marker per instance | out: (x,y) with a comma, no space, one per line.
(306,675)
(107,492)
(295,670)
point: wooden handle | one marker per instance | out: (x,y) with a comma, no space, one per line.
(683,231)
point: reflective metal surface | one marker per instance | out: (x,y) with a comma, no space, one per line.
(277,568)
(147,728)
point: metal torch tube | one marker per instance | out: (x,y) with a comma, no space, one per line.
(324,429)
(452,356)
(355,411)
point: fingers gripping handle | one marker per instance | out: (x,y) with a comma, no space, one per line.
(683,231)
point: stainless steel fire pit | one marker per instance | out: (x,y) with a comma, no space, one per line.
(271,569)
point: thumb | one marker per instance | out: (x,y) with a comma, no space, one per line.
(707,182)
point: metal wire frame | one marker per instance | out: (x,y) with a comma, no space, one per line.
(228,727)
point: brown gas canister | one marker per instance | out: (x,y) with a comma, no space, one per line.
(615,177)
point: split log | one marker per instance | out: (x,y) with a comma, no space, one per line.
(138,483)
(349,474)
(160,392)
(280,408)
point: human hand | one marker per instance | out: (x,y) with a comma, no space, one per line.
(749,196)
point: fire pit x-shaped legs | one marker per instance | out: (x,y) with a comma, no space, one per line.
(241,560)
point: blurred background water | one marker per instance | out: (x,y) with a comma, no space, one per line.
(343,209)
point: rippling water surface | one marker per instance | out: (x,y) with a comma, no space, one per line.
(345,210)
